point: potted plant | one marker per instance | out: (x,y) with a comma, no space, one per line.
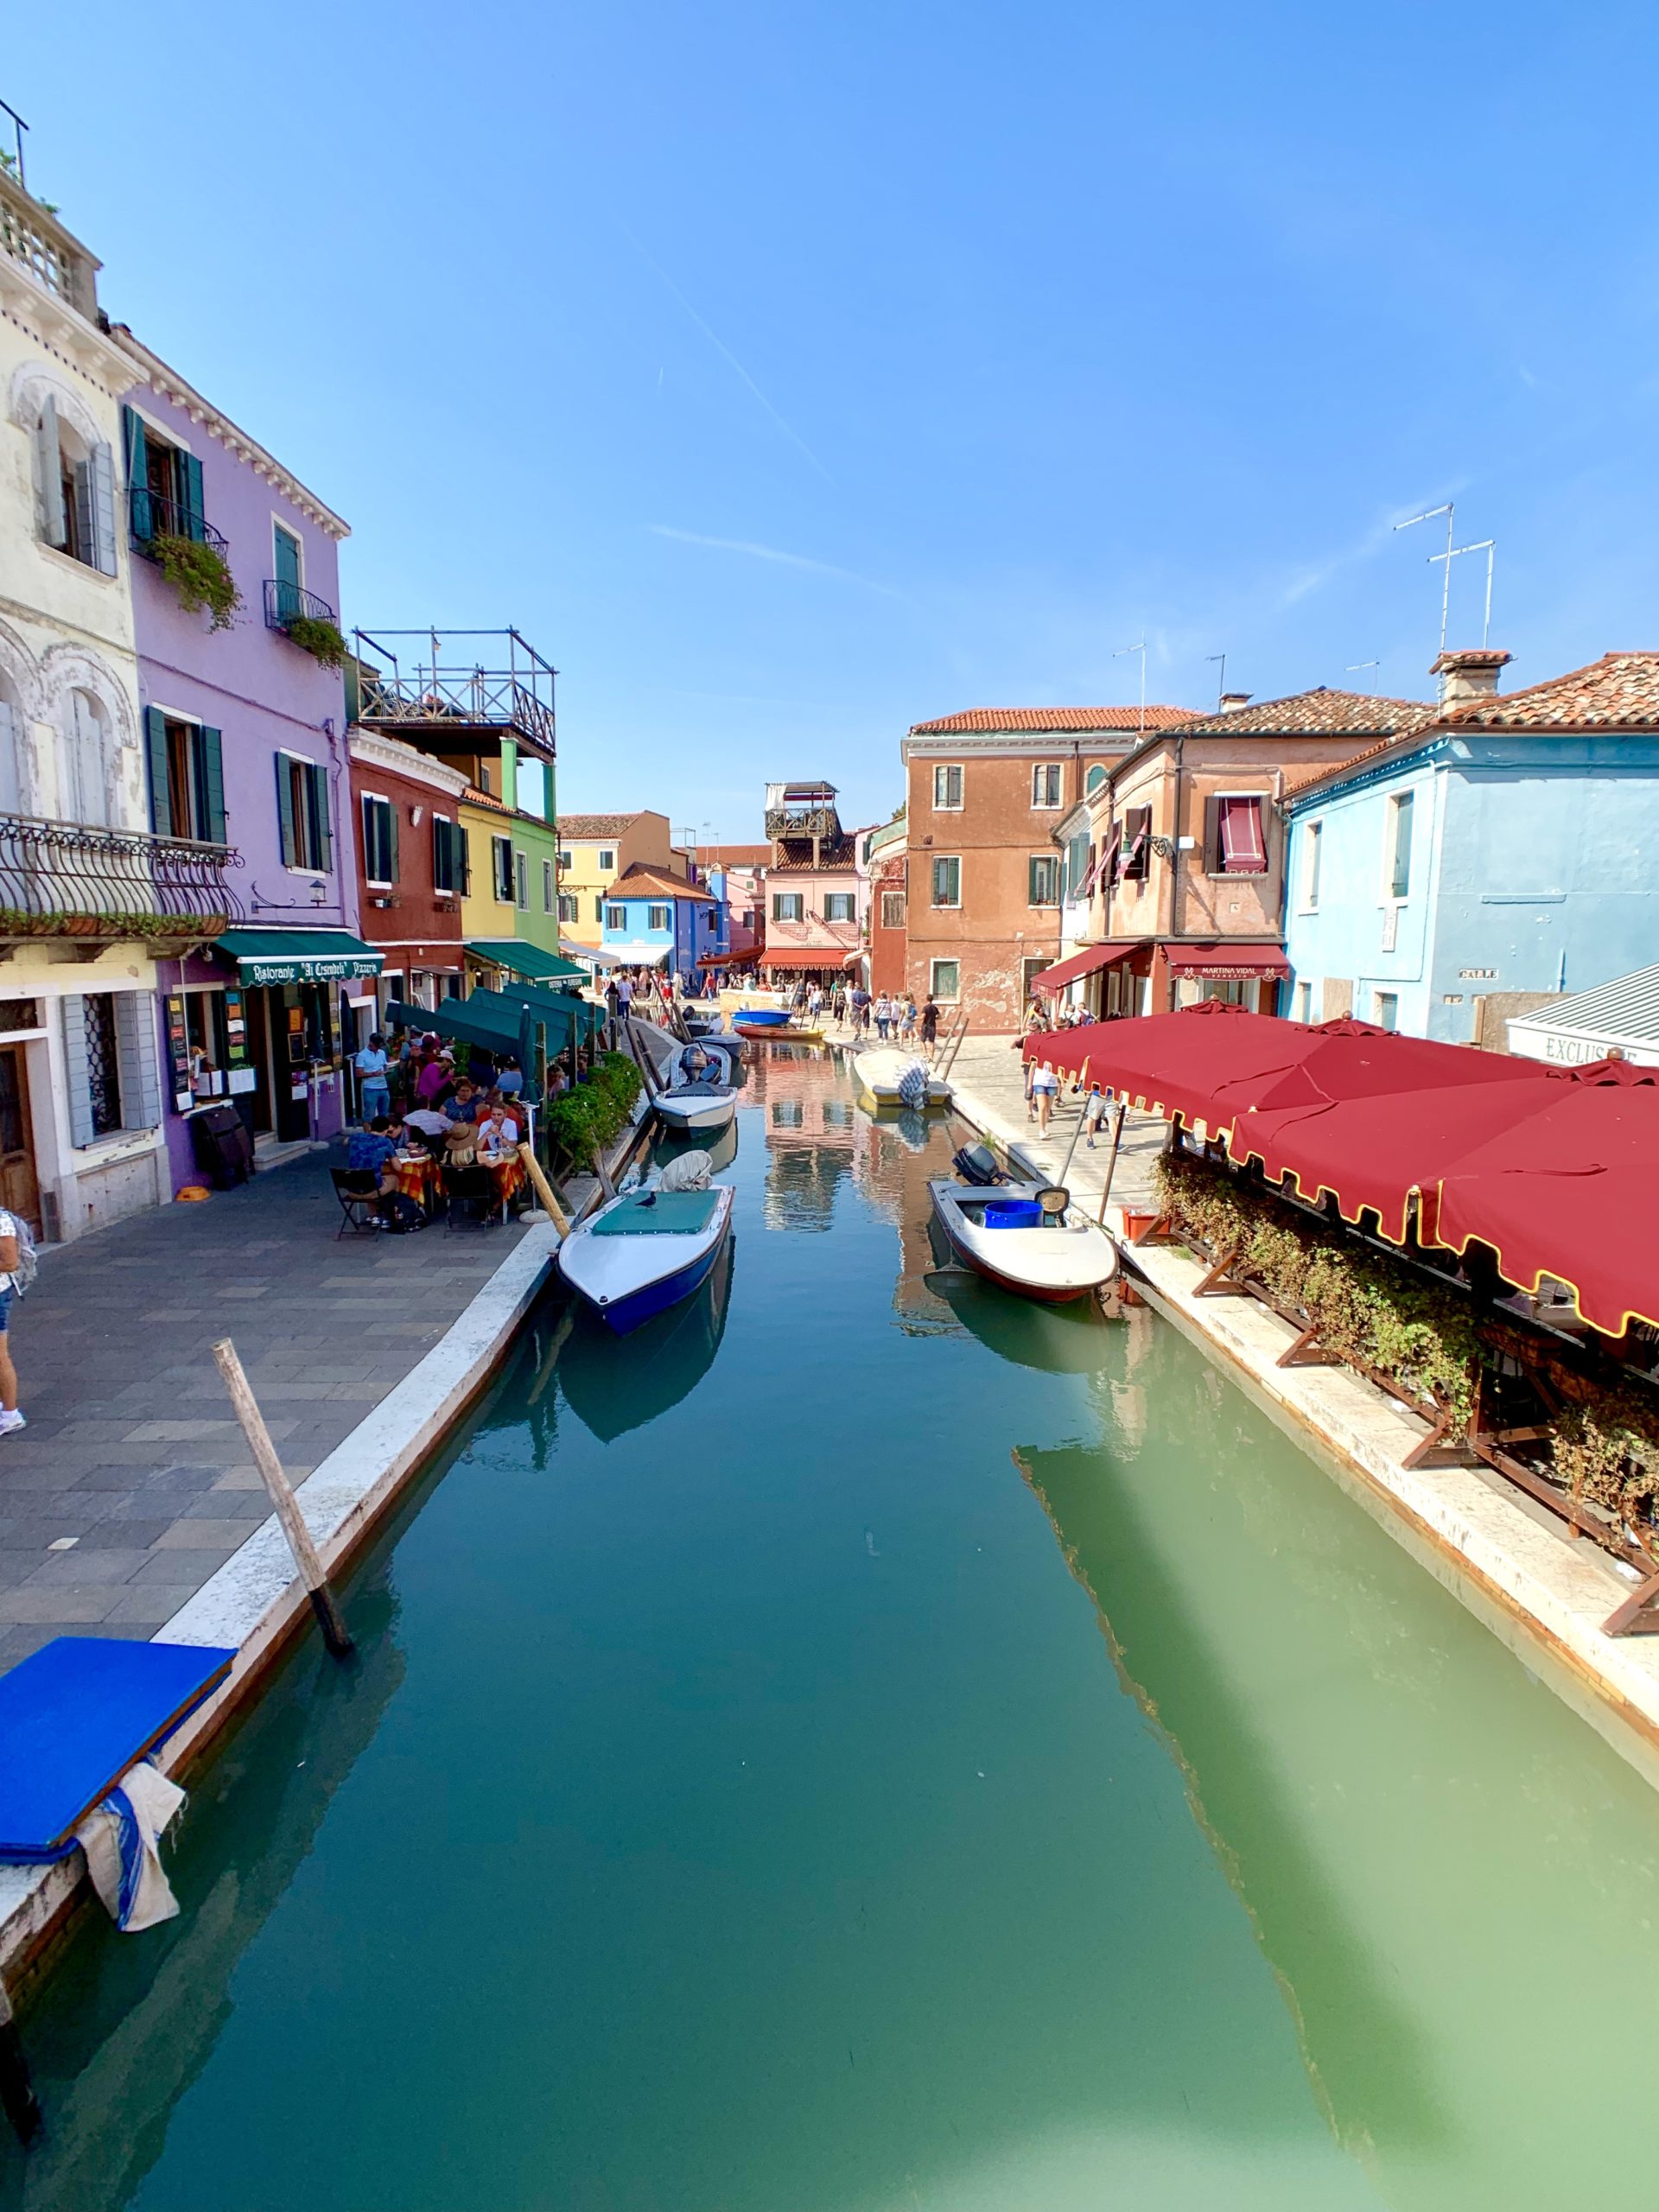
(322,639)
(201,575)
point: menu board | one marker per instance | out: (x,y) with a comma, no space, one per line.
(178,1053)
(242,1076)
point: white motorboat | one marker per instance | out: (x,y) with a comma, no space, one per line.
(893,1077)
(704,1106)
(1027,1237)
(645,1250)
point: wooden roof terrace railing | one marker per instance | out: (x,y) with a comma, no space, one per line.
(506,686)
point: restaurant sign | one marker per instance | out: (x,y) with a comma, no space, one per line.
(307,968)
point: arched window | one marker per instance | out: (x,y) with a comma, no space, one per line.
(87,771)
(74,490)
(1094,781)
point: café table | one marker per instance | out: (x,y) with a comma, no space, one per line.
(417,1176)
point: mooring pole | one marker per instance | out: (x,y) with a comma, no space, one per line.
(17,2096)
(335,1634)
(1111,1159)
(543,1190)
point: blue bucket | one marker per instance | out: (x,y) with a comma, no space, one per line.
(1013,1213)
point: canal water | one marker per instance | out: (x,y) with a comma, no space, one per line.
(870,1744)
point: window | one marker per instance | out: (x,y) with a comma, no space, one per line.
(787,906)
(1312,845)
(616,917)
(659,917)
(102,1061)
(945,981)
(380,841)
(599,909)
(501,869)
(947,882)
(1046,784)
(287,569)
(1095,780)
(1304,1010)
(112,1077)
(449,855)
(74,492)
(1043,879)
(1386,1009)
(163,485)
(564,863)
(947,790)
(1030,969)
(1399,810)
(547,886)
(302,813)
(187,777)
(838,906)
(89,758)
(1079,866)
(568,907)
(1137,844)
(893,910)
(1234,840)
(607,863)
(521,882)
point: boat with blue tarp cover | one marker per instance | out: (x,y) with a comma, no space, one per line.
(644,1251)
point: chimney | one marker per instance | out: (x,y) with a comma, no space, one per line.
(1232,700)
(1468,676)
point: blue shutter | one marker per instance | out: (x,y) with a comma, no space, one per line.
(210,753)
(285,810)
(320,815)
(161,793)
(138,457)
(103,466)
(192,520)
(77,1075)
(49,460)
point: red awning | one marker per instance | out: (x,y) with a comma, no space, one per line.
(1175,1064)
(718,959)
(1572,1192)
(1086,963)
(808,956)
(1226,962)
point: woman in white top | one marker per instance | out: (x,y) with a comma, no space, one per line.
(11,1419)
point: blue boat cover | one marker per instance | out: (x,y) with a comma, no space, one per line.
(75,1715)
(675,1213)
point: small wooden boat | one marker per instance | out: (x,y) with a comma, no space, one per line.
(774,1032)
(1026,1237)
(704,1106)
(880,1072)
(644,1251)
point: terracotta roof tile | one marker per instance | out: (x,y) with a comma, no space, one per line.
(1321,712)
(991,720)
(1619,691)
(734,855)
(642,880)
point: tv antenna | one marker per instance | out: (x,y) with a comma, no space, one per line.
(1221,680)
(1355,666)
(1487,546)
(1142,650)
(1429,515)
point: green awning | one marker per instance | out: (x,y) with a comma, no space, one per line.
(519,958)
(558,1011)
(493,1023)
(299,956)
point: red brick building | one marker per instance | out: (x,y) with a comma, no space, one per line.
(412,867)
(985,791)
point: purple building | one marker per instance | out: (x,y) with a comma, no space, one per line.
(236,616)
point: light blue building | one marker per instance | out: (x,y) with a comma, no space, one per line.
(1508,850)
(651,919)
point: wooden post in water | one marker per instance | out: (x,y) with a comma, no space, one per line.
(335,1634)
(1111,1158)
(543,1190)
(17,2096)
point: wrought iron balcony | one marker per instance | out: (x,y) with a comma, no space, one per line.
(447,695)
(286,603)
(32,236)
(153,517)
(104,886)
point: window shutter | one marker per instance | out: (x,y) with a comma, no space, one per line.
(1213,856)
(137,459)
(135,1042)
(103,532)
(285,810)
(210,753)
(86,520)
(161,794)
(192,520)
(77,1076)
(391,845)
(320,814)
(49,460)
(464,847)
(1034,885)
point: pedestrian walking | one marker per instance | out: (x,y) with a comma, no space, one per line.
(623,987)
(17,1249)
(815,1004)
(1045,1090)
(907,1020)
(930,1025)
(883,1015)
(1094,1113)
(373,1090)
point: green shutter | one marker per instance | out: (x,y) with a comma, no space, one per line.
(391,845)
(464,847)
(161,794)
(320,810)
(137,460)
(212,756)
(191,521)
(285,810)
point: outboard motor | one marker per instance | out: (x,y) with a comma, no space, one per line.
(976,1163)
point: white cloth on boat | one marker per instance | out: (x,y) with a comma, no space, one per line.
(913,1085)
(121,1837)
(691,1171)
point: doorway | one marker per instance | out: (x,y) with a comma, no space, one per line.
(20,1191)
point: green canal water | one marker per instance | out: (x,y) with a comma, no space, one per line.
(873,1746)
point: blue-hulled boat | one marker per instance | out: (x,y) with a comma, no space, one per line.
(761,1017)
(644,1251)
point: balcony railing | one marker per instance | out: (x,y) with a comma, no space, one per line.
(153,517)
(66,878)
(286,603)
(52,255)
(507,688)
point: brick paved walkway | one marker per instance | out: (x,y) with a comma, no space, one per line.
(133,1482)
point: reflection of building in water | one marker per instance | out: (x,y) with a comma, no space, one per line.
(813,1139)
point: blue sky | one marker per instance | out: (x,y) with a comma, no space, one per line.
(790,373)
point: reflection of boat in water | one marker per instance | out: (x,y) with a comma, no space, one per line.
(670,1144)
(1070,1340)
(881,1070)
(1024,1237)
(613,1386)
(774,1032)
